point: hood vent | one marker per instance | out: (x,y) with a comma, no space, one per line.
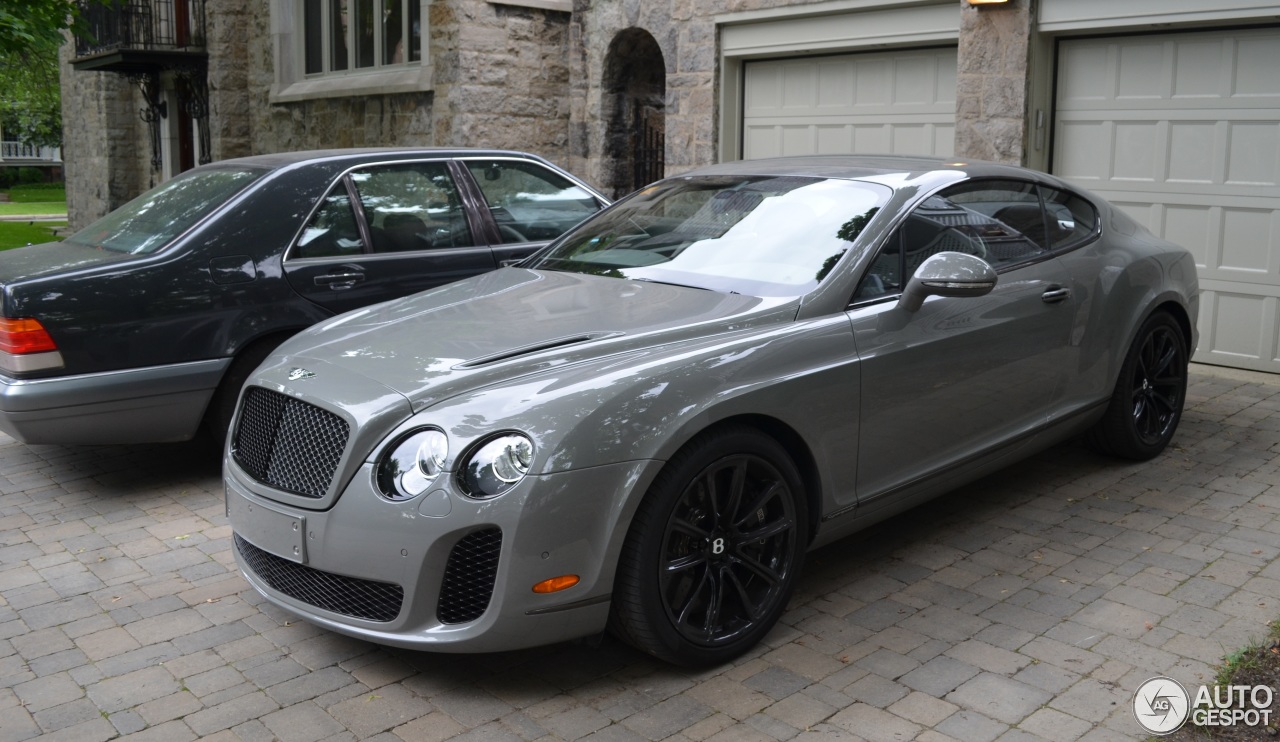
(552,344)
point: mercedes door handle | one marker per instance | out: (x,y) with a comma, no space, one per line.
(339,281)
(1056,294)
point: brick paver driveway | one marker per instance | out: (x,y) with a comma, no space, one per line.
(1029,605)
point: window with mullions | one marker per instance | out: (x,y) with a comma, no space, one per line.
(344,35)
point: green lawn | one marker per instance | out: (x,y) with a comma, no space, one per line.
(17,234)
(33,207)
(35,200)
(38,192)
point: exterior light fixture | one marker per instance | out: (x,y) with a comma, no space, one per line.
(988,2)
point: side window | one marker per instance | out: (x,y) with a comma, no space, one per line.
(412,206)
(332,231)
(529,202)
(1071,218)
(1001,222)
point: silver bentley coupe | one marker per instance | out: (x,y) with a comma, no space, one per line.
(646,425)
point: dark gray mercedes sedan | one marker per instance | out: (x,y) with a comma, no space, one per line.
(143,326)
(645,426)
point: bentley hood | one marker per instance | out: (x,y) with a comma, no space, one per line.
(510,323)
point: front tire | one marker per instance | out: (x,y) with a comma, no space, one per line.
(713,553)
(1146,404)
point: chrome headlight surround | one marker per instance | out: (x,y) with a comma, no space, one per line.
(410,465)
(496,465)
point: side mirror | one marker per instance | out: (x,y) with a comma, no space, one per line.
(948,274)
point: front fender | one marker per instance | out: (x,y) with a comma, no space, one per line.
(646,405)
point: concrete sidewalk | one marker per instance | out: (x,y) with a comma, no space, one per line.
(1027,606)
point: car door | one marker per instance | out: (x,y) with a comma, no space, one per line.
(384,231)
(530,204)
(961,377)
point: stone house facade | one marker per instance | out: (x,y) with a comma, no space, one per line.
(1166,107)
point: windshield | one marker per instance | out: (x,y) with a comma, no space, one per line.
(154,219)
(756,235)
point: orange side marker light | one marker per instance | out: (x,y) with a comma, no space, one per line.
(556,584)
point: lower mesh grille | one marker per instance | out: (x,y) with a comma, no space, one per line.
(469,576)
(288,444)
(350,596)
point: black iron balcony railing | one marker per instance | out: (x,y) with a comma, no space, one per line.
(143,26)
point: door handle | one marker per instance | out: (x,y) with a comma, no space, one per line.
(1056,294)
(339,281)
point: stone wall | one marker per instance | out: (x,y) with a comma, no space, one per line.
(500,77)
(105,145)
(992,78)
(508,76)
(501,80)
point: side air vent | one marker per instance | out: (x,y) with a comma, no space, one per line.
(469,577)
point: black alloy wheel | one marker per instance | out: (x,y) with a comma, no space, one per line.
(1146,404)
(712,555)
(1158,383)
(728,550)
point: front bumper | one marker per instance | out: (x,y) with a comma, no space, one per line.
(142,405)
(350,558)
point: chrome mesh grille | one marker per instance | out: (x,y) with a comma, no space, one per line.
(288,444)
(469,576)
(350,596)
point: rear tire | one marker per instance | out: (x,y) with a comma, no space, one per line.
(714,550)
(217,418)
(1146,404)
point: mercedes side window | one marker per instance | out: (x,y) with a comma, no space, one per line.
(412,206)
(1001,222)
(530,203)
(1071,219)
(332,231)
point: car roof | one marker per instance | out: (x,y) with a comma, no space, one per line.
(285,159)
(893,170)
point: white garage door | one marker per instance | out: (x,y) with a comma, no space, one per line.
(1182,131)
(902,103)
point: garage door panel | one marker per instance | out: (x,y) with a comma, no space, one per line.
(1192,226)
(1135,151)
(1256,66)
(1141,73)
(1088,67)
(834,139)
(872,138)
(901,102)
(1237,321)
(835,88)
(799,91)
(1253,151)
(765,141)
(1199,68)
(1248,240)
(1190,160)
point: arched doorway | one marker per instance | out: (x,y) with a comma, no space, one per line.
(635,90)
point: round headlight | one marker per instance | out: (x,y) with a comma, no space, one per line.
(412,464)
(498,465)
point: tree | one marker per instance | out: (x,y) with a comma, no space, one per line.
(30,34)
(36,24)
(30,102)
